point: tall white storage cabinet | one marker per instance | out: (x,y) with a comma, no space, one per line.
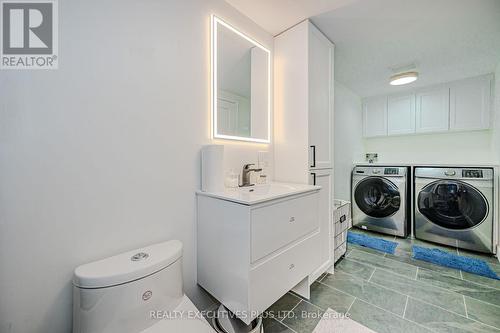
(303,111)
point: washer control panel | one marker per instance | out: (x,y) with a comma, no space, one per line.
(472,173)
(391,171)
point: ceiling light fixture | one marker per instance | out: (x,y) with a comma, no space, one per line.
(403,78)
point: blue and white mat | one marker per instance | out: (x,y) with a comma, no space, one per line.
(371,242)
(466,264)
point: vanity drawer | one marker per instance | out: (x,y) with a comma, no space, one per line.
(274,277)
(279,224)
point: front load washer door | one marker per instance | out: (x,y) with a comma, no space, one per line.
(377,197)
(452,204)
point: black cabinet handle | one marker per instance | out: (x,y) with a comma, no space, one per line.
(313,165)
(314,177)
(342,218)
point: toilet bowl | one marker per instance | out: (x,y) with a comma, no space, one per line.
(135,292)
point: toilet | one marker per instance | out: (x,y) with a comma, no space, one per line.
(139,291)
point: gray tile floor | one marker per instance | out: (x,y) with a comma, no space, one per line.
(395,293)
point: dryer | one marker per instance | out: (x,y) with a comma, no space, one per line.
(379,199)
(454,206)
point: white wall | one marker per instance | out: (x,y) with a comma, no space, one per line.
(102,155)
(496,140)
(475,147)
(496,118)
(347,138)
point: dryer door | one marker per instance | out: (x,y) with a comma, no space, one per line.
(452,204)
(377,197)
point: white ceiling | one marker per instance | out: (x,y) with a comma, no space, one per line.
(446,39)
(276,16)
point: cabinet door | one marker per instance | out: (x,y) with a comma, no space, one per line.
(320,66)
(324,178)
(401,114)
(375,117)
(470,104)
(433,109)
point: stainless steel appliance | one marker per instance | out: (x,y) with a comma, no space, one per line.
(379,199)
(454,206)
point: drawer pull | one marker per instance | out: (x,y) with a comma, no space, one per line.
(292,219)
(292,266)
(342,218)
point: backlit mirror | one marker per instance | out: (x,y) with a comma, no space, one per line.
(240,85)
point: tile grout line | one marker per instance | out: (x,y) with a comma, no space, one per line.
(345,292)
(481,284)
(300,301)
(399,262)
(461,275)
(371,275)
(350,306)
(416,274)
(465,305)
(406,305)
(282,323)
(316,306)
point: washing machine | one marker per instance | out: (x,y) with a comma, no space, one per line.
(380,199)
(455,207)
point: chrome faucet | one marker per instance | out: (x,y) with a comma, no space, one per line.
(245,177)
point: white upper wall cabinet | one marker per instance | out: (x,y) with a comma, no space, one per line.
(470,104)
(433,106)
(401,114)
(463,105)
(375,117)
(320,99)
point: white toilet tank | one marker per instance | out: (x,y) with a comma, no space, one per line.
(123,293)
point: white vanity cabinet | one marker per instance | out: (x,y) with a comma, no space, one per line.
(303,111)
(249,255)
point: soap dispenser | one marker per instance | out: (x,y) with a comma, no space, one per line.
(262,163)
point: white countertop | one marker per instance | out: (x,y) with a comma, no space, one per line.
(260,193)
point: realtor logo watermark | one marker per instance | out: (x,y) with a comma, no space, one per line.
(29,38)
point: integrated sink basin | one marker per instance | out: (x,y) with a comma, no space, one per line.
(256,194)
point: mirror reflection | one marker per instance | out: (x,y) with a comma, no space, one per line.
(241,101)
